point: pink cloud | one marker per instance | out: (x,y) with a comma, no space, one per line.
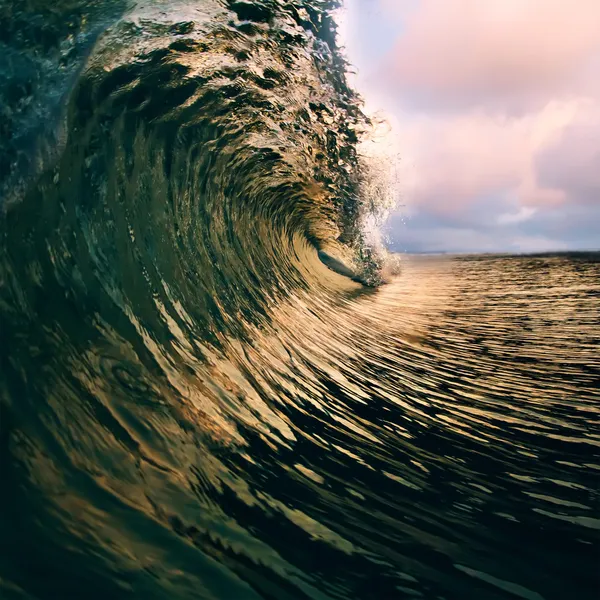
(496,112)
(509,54)
(571,163)
(459,161)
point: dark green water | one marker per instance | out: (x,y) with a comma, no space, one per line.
(192,405)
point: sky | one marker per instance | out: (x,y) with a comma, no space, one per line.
(493,109)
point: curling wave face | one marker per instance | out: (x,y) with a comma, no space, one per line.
(199,398)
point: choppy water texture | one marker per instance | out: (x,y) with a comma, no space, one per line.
(192,405)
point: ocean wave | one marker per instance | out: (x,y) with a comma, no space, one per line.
(204,391)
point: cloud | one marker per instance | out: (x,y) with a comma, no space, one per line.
(459,159)
(552,229)
(480,181)
(507,55)
(571,164)
(523,214)
(495,107)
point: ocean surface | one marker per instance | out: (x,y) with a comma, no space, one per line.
(193,405)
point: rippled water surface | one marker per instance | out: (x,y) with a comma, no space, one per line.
(437,437)
(193,405)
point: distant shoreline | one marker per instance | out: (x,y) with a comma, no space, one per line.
(498,254)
